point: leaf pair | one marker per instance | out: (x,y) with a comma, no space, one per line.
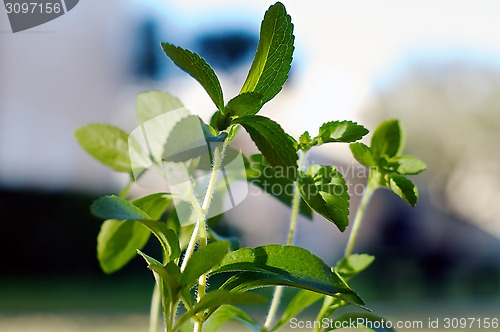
(121,152)
(266,77)
(268,73)
(333,131)
(388,166)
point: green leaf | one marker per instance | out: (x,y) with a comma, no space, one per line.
(350,266)
(150,104)
(324,189)
(272,141)
(203,260)
(369,320)
(226,313)
(168,238)
(154,205)
(186,141)
(197,68)
(362,154)
(274,182)
(299,302)
(247,103)
(405,165)
(340,131)
(117,243)
(290,265)
(170,274)
(404,188)
(387,140)
(272,61)
(305,141)
(220,121)
(215,299)
(114,207)
(109,145)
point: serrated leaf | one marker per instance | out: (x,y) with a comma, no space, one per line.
(286,265)
(387,139)
(203,260)
(299,302)
(404,188)
(273,58)
(197,68)
(271,180)
(305,141)
(186,141)
(117,243)
(324,189)
(272,141)
(109,145)
(114,207)
(405,165)
(362,154)
(370,320)
(150,104)
(339,131)
(215,299)
(226,313)
(352,265)
(247,103)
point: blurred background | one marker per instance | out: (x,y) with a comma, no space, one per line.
(435,66)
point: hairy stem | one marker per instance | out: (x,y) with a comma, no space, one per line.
(200,230)
(370,188)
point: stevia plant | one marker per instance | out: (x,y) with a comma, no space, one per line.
(195,158)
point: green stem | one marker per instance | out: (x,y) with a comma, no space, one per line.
(155,309)
(126,189)
(327,302)
(278,291)
(190,247)
(200,230)
(370,188)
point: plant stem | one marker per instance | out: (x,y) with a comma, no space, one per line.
(370,188)
(126,189)
(278,291)
(200,229)
(294,216)
(155,309)
(190,247)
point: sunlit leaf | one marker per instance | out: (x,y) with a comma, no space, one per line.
(287,265)
(272,61)
(109,145)
(324,189)
(272,141)
(197,68)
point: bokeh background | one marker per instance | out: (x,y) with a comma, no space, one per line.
(433,65)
